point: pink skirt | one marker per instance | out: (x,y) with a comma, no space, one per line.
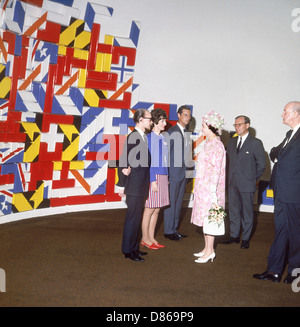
(160,198)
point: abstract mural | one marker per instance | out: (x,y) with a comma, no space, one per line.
(67,98)
(66,103)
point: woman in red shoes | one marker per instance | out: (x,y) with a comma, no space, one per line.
(158,189)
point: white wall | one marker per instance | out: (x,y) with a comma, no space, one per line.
(231,56)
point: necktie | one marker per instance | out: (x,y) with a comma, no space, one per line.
(185,137)
(287,139)
(239,146)
(288,136)
(145,138)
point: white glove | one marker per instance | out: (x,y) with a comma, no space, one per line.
(214,198)
(213,194)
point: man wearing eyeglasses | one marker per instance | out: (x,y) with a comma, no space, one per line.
(134,179)
(246,163)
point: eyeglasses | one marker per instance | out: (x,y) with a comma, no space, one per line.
(238,125)
(147,118)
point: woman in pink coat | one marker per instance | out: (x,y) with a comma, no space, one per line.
(209,187)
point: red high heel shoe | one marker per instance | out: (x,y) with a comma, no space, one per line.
(151,247)
(159,245)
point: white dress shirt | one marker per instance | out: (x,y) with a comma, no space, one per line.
(243,139)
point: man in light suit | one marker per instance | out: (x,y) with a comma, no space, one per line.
(134,179)
(246,162)
(285,181)
(180,148)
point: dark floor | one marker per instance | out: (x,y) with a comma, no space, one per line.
(75,260)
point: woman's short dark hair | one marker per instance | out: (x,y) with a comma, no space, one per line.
(158,114)
(213,129)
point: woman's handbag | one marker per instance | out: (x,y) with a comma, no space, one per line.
(212,228)
(214,224)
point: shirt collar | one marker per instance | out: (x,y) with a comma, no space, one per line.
(296,128)
(244,137)
(181,128)
(140,131)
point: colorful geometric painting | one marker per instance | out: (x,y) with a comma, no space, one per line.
(67,98)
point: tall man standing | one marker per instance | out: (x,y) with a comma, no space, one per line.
(246,160)
(134,179)
(180,148)
(286,185)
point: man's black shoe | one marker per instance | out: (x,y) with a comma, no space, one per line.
(180,235)
(245,245)
(289,279)
(133,256)
(276,278)
(172,237)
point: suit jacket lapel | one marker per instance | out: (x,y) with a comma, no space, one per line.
(179,130)
(248,139)
(296,135)
(139,135)
(291,141)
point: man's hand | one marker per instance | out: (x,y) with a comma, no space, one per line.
(126,171)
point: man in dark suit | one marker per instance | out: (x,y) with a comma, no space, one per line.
(286,186)
(134,179)
(180,148)
(246,162)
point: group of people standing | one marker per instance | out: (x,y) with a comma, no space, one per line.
(152,174)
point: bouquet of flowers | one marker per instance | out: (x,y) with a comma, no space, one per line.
(216,215)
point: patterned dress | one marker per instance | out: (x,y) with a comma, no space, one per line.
(158,171)
(210,174)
